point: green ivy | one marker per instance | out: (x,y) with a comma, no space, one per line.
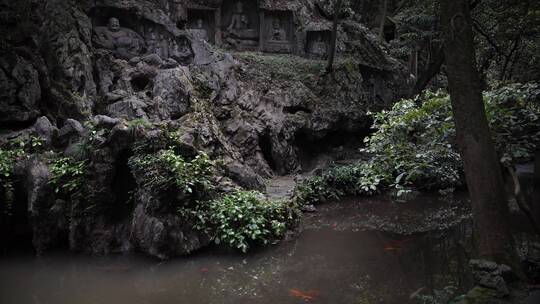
(67,176)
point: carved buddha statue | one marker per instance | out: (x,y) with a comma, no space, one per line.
(278,33)
(239,20)
(239,34)
(199,31)
(125,43)
(318,47)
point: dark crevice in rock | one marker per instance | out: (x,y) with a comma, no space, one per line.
(176,116)
(123,187)
(265,143)
(140,83)
(17,125)
(296,109)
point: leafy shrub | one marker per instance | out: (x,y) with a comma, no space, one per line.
(166,169)
(189,175)
(7,160)
(93,136)
(67,176)
(514,115)
(241,219)
(414,146)
(413,143)
(339,182)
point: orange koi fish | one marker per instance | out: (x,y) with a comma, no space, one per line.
(306,296)
(396,245)
(391,248)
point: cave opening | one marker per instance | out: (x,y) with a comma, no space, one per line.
(265,144)
(123,187)
(321,149)
(140,83)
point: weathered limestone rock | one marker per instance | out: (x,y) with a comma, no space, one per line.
(21,91)
(70,132)
(46,220)
(163,235)
(491,275)
(129,109)
(105,121)
(44,129)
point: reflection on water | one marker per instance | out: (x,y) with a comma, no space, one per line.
(323,264)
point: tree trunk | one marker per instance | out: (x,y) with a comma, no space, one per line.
(383,20)
(413,62)
(332,52)
(433,69)
(535,204)
(480,161)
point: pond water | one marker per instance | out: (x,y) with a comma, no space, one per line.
(332,260)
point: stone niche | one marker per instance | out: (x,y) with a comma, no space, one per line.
(202,24)
(240,25)
(128,36)
(118,32)
(278,31)
(318,44)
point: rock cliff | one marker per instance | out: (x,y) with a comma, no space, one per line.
(109,74)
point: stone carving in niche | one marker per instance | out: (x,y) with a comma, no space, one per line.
(241,26)
(165,45)
(278,27)
(199,31)
(124,42)
(239,20)
(318,44)
(278,32)
(201,23)
(155,43)
(178,13)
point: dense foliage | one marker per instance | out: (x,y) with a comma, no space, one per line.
(507,39)
(514,115)
(507,36)
(165,169)
(413,145)
(244,218)
(357,179)
(67,175)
